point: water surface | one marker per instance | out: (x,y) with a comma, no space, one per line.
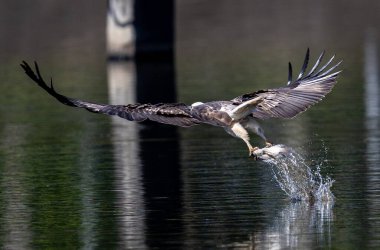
(72,179)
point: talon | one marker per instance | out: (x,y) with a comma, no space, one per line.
(252,154)
(268,144)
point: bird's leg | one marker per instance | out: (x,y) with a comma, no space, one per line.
(239,131)
(251,149)
(252,153)
(251,124)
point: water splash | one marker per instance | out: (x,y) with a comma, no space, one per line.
(299,180)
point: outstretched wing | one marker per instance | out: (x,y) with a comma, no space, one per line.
(173,113)
(296,97)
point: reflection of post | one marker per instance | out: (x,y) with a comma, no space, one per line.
(298,225)
(121,85)
(371,75)
(294,226)
(160,152)
(120,30)
(153,24)
(372,122)
(16,220)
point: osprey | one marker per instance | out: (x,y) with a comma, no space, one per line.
(235,116)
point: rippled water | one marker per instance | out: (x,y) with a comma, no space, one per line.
(72,179)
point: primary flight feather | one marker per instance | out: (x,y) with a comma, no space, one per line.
(235,116)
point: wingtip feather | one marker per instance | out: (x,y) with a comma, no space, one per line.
(290,73)
(305,63)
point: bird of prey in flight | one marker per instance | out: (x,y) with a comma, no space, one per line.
(236,116)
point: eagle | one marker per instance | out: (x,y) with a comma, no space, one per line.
(236,116)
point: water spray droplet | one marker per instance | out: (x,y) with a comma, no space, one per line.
(297,179)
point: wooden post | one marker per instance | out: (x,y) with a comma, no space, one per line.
(140,28)
(120,29)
